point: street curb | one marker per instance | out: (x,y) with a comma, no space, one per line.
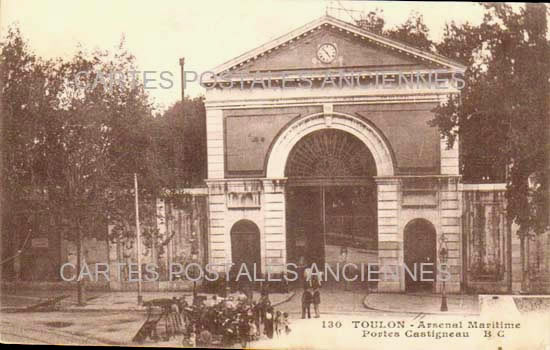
(368,307)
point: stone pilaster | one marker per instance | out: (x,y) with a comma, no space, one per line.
(517,268)
(390,246)
(219,240)
(449,205)
(215,143)
(274,226)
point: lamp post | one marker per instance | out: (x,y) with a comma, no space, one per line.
(138,241)
(443,256)
(344,259)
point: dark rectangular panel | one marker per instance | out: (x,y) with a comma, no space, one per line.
(414,143)
(248,139)
(250,133)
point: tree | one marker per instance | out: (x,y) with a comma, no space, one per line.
(74,140)
(27,95)
(103,140)
(373,22)
(167,131)
(413,32)
(502,114)
(482,130)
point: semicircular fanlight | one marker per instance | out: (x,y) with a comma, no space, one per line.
(330,153)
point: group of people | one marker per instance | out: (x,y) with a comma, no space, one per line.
(235,321)
(230,320)
(311,294)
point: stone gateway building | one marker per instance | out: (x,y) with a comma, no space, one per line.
(320,151)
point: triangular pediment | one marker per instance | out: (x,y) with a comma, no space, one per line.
(356,49)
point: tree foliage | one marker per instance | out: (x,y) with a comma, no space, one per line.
(413,31)
(73,139)
(373,21)
(71,145)
(501,115)
(181,137)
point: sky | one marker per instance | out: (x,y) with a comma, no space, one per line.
(206,32)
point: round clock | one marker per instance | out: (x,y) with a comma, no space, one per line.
(327,53)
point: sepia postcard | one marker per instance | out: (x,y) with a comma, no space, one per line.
(275,174)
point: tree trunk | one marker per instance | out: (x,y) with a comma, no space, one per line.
(79,287)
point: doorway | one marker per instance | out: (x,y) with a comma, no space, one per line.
(246,249)
(331,200)
(420,248)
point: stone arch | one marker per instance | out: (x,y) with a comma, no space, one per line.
(367,133)
(330,153)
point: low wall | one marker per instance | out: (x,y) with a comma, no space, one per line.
(157,286)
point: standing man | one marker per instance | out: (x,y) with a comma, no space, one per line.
(307,298)
(316,295)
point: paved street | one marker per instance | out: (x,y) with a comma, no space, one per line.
(96,328)
(423,303)
(333,301)
(107,319)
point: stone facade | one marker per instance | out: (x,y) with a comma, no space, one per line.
(252,130)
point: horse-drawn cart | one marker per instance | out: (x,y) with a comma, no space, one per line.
(163,321)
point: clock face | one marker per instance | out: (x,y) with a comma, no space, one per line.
(327,53)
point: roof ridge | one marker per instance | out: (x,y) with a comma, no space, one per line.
(323,20)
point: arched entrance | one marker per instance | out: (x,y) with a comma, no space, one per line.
(245,248)
(331,202)
(420,246)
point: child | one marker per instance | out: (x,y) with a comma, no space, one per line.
(306,303)
(278,323)
(191,341)
(286,323)
(252,330)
